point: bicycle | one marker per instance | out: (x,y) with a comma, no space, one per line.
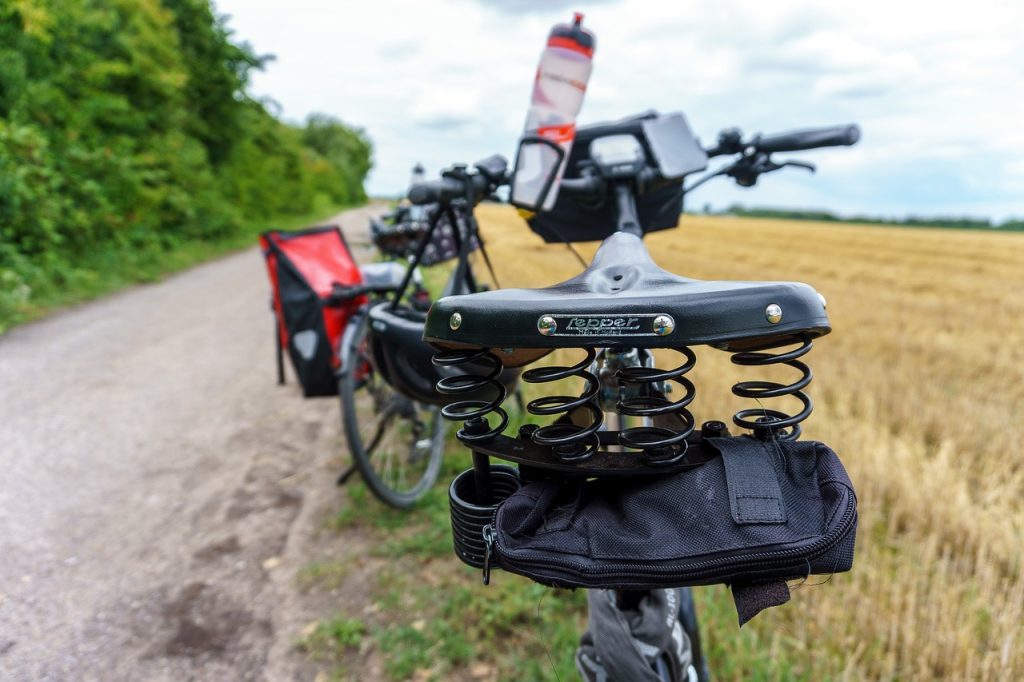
(397,234)
(390,412)
(355,332)
(622,180)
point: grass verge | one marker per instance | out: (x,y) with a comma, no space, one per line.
(428,617)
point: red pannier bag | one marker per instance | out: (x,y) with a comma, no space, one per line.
(304,268)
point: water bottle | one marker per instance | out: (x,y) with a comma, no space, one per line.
(558,91)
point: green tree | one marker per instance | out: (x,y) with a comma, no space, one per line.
(126,128)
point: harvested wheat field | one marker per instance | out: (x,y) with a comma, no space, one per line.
(920,389)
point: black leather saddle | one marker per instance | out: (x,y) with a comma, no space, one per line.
(624,299)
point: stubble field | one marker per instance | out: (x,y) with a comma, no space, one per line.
(919,388)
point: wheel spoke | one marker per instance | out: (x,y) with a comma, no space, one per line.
(395,442)
(382,424)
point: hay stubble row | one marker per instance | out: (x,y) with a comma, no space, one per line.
(920,388)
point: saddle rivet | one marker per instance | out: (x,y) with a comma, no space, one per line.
(663,325)
(773,313)
(455,321)
(824,303)
(546,325)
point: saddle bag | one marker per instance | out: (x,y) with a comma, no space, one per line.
(761,513)
(304,268)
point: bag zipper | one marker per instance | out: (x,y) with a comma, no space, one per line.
(488,533)
(631,569)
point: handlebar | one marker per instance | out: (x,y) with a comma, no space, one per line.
(458,183)
(730,141)
(442,190)
(755,159)
(809,138)
(341,294)
(588,184)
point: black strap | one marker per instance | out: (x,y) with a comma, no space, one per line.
(753,598)
(752,479)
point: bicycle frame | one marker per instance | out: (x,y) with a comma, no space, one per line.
(463,272)
(357,347)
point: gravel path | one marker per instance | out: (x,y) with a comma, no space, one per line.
(158,491)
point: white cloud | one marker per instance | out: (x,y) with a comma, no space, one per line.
(446,108)
(936,88)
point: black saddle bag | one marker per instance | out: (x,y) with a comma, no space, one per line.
(759,514)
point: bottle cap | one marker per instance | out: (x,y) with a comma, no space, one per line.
(573,36)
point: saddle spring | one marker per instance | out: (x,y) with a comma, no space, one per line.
(661,446)
(771,422)
(573,437)
(473,411)
(569,441)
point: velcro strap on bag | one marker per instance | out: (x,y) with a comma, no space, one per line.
(752,480)
(753,598)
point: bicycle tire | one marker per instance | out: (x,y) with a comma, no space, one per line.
(349,386)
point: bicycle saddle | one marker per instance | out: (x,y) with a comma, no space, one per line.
(624,299)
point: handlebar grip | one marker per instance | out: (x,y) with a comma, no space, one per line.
(342,294)
(494,167)
(435,191)
(491,173)
(809,138)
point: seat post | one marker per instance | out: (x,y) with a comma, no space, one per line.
(482,479)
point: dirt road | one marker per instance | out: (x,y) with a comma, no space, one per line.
(158,491)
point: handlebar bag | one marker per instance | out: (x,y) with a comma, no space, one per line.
(304,266)
(760,513)
(572,220)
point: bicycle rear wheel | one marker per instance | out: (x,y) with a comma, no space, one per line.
(396,443)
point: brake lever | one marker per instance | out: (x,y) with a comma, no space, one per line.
(747,170)
(799,164)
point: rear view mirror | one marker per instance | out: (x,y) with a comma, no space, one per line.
(533,180)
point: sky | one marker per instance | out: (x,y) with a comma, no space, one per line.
(937,88)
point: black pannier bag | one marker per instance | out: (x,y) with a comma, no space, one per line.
(305,267)
(761,513)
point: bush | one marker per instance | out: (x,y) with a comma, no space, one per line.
(125,126)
